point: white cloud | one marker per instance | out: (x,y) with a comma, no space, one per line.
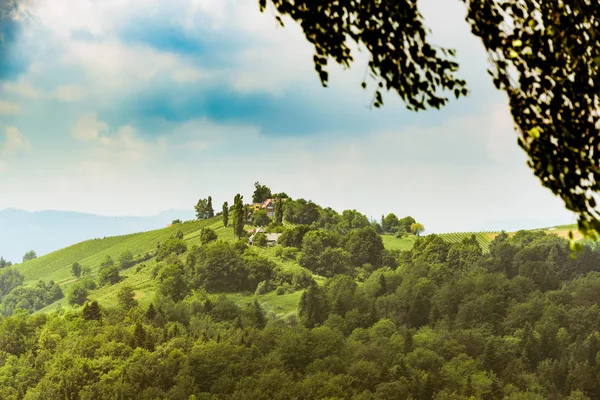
(118,170)
(14,141)
(110,65)
(188,75)
(69,93)
(9,108)
(21,88)
(88,128)
(107,146)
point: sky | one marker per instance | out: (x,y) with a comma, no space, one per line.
(130,107)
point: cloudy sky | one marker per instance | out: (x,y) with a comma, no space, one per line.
(130,107)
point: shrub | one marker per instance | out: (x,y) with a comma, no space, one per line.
(109,275)
(260,240)
(287,253)
(261,218)
(171,246)
(262,288)
(207,235)
(78,295)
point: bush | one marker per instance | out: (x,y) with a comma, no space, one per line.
(76,269)
(262,288)
(78,295)
(109,275)
(88,283)
(207,235)
(126,298)
(261,218)
(171,246)
(126,260)
(280,291)
(276,228)
(260,240)
(287,253)
(30,255)
(302,280)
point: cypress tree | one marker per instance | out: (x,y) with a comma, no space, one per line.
(151,313)
(210,210)
(279,211)
(238,215)
(225,214)
(259,317)
(139,335)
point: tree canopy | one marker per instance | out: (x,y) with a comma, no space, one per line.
(204,208)
(545,55)
(30,255)
(261,193)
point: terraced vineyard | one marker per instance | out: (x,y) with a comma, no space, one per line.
(56,266)
(483,238)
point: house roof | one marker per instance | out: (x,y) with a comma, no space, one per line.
(257,230)
(266,203)
(272,237)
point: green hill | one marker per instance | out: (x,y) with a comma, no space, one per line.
(56,266)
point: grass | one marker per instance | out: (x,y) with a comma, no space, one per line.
(280,305)
(393,243)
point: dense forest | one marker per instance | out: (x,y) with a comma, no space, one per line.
(441,321)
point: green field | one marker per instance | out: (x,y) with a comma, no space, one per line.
(280,305)
(393,243)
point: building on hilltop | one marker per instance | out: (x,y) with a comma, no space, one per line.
(272,238)
(268,205)
(257,230)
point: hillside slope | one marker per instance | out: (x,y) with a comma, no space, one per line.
(47,231)
(56,266)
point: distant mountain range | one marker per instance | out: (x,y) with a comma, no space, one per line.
(46,231)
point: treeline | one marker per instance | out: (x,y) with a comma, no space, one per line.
(221,266)
(444,321)
(13,295)
(300,212)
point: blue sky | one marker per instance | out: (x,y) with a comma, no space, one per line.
(130,107)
